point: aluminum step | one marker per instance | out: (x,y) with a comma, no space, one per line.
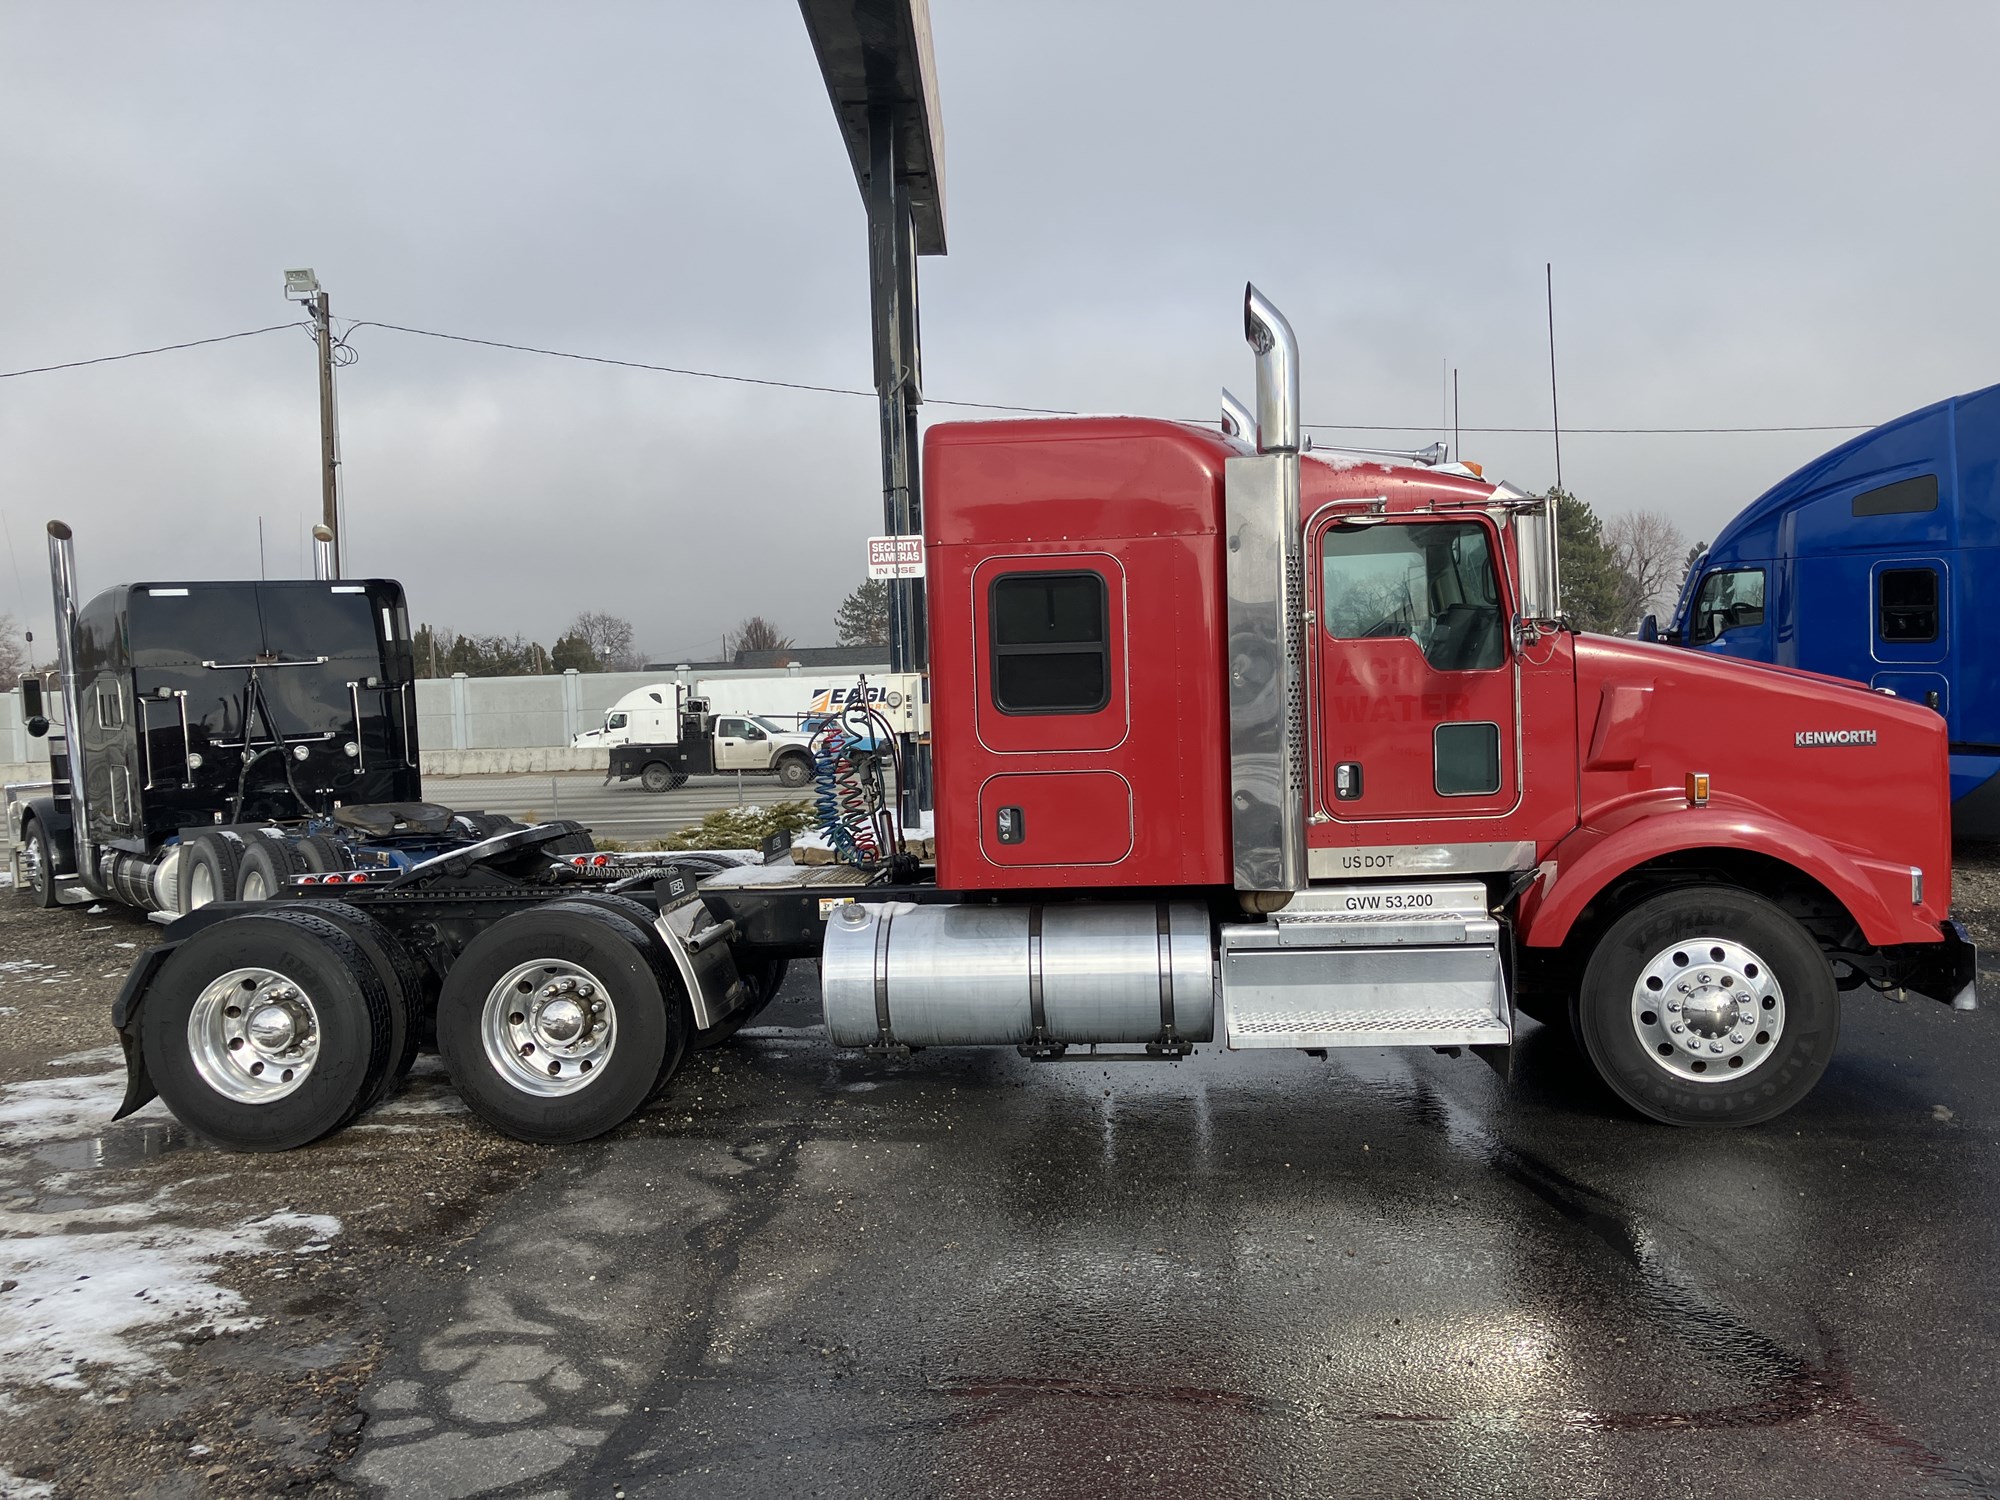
(1368,966)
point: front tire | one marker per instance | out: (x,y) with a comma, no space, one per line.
(555,1023)
(1708,1006)
(266,1031)
(40,859)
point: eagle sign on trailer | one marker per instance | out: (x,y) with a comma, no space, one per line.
(1236,744)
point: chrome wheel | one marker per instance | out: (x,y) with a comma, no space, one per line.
(548,1027)
(254,887)
(201,886)
(1708,1010)
(31,863)
(253,1035)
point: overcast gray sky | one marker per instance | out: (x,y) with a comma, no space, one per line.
(1758,214)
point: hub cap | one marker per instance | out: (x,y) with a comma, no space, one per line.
(549,1027)
(253,1035)
(1708,1010)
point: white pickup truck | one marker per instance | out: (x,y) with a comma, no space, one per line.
(701,744)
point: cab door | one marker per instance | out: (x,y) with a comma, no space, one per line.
(741,745)
(1414,719)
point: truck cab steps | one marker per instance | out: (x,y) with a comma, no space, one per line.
(1368,966)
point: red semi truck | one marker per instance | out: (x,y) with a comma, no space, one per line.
(1234,742)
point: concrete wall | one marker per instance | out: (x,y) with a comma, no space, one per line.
(484,716)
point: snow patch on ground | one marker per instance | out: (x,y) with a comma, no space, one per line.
(104,1288)
(61,1109)
(96,1057)
(15,1488)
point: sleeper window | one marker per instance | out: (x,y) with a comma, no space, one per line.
(1907,601)
(1051,643)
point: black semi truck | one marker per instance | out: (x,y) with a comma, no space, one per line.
(219,737)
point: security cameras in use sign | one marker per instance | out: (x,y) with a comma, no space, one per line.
(895,557)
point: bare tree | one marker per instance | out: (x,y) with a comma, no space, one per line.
(13,654)
(609,639)
(754,634)
(1651,554)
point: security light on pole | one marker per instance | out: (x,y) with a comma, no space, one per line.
(303,286)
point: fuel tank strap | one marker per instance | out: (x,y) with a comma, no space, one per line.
(1038,1014)
(885,1037)
(1165,937)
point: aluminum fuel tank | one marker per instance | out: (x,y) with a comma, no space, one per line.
(958,976)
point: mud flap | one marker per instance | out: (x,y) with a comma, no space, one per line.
(706,963)
(125,1017)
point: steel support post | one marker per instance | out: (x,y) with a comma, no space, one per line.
(892,281)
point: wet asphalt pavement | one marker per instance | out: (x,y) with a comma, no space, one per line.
(1385,1274)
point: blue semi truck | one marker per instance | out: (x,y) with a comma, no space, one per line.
(1870,563)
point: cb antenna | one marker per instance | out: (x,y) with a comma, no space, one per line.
(1555,412)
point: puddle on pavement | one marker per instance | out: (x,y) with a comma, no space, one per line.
(128,1146)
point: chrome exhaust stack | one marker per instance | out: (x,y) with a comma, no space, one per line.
(322,554)
(1265,573)
(62,586)
(1236,419)
(1277,351)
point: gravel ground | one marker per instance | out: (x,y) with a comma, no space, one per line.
(177,1322)
(131,1363)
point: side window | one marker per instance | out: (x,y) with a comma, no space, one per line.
(1726,601)
(1432,583)
(1904,497)
(729,729)
(1907,604)
(616,721)
(1051,643)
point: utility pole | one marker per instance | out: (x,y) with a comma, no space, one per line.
(303,286)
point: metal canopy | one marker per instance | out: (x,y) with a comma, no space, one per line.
(876,54)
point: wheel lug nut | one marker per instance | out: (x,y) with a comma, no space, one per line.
(1677,1028)
(1674,1006)
(1715,1046)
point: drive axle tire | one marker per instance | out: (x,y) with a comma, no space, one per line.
(411,994)
(40,860)
(555,1023)
(795,771)
(266,865)
(324,855)
(1708,1006)
(267,1030)
(208,870)
(658,776)
(765,980)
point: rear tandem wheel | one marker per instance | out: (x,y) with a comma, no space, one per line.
(267,1031)
(557,1023)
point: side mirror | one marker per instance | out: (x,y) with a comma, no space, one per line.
(1649,628)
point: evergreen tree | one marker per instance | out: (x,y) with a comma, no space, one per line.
(1595,592)
(863,616)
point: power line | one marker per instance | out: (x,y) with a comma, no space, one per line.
(839,390)
(105,359)
(634,364)
(1057,411)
